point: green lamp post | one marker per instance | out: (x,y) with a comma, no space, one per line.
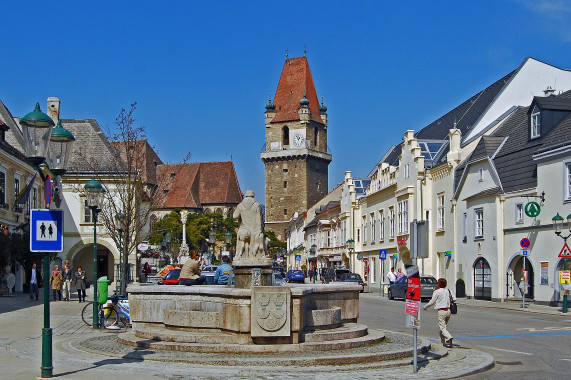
(95,194)
(558,226)
(40,145)
(212,238)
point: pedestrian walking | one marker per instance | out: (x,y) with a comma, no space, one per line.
(55,280)
(441,300)
(35,281)
(67,278)
(80,283)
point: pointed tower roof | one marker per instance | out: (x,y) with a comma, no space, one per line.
(295,82)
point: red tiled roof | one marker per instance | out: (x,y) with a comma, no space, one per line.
(295,81)
(194,184)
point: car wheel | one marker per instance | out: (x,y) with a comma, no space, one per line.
(390,295)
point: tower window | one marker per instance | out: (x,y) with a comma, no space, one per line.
(285,135)
(285,184)
(285,211)
(315,138)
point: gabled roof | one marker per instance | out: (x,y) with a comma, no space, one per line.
(555,103)
(487,147)
(462,117)
(194,185)
(146,154)
(295,81)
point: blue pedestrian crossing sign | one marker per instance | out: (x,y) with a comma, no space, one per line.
(382,254)
(46,231)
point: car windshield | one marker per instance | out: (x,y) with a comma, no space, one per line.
(428,280)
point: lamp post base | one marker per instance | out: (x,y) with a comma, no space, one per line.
(47,368)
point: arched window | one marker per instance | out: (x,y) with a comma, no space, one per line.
(315,138)
(285,135)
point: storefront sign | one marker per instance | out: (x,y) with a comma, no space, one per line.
(532,209)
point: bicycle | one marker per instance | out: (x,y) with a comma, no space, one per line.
(116,309)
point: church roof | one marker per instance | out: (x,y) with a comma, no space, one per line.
(295,82)
(196,184)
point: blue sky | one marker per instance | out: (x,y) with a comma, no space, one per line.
(201,71)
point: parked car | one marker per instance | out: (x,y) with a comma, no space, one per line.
(171,278)
(295,275)
(340,271)
(208,271)
(278,279)
(428,285)
(353,277)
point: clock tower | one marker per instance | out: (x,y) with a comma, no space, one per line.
(295,156)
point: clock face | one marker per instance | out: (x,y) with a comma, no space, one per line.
(298,140)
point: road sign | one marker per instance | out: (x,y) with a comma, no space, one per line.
(565,251)
(297,257)
(359,256)
(532,209)
(525,252)
(382,254)
(365,259)
(46,233)
(525,243)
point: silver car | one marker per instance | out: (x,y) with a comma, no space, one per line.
(209,271)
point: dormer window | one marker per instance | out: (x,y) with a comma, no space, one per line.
(535,123)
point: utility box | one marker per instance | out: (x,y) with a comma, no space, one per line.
(102,286)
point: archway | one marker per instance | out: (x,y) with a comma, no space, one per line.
(482,279)
(82,254)
(519,277)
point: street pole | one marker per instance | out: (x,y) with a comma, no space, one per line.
(95,302)
(524,287)
(47,368)
(564,308)
(414,247)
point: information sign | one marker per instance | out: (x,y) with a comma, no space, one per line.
(525,252)
(564,276)
(297,257)
(382,254)
(412,307)
(46,231)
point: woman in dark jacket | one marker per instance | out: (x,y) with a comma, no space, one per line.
(80,283)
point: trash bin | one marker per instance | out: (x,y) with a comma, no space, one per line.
(102,285)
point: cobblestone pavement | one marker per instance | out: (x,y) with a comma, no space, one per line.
(80,352)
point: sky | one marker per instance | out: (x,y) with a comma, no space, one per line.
(201,71)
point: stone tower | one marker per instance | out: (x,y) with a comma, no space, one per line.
(295,157)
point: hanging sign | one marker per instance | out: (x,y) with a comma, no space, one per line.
(532,209)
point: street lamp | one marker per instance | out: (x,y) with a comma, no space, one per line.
(558,226)
(120,219)
(95,193)
(228,240)
(212,236)
(37,128)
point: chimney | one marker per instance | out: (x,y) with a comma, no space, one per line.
(549,91)
(53,108)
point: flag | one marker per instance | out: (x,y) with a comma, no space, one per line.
(25,193)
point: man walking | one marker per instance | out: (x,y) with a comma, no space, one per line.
(35,280)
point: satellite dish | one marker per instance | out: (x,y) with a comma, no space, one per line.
(10,280)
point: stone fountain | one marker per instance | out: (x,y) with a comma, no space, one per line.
(252,316)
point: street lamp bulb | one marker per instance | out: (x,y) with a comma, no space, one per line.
(557,223)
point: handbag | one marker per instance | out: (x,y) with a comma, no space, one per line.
(453,306)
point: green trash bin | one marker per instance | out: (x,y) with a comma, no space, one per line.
(102,285)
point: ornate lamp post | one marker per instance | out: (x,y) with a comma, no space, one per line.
(95,194)
(39,139)
(228,240)
(120,219)
(558,226)
(212,237)
(168,239)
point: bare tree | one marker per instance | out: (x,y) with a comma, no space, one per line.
(131,183)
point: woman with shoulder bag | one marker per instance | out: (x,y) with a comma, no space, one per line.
(442,298)
(80,283)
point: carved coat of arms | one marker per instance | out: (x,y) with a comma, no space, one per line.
(270,311)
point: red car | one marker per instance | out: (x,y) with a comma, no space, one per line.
(171,278)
